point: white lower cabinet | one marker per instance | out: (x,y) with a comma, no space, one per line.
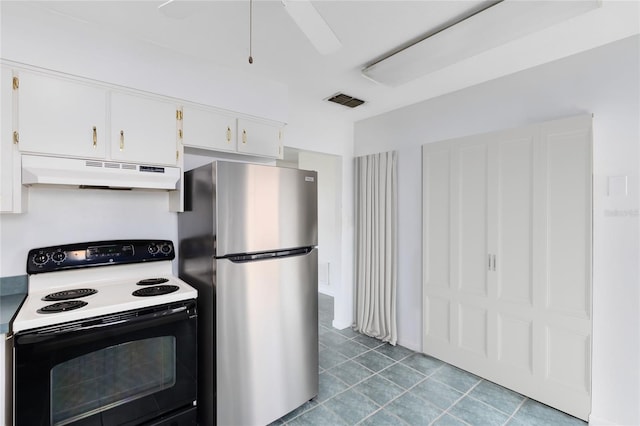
(507,258)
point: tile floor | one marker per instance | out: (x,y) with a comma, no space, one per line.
(366,382)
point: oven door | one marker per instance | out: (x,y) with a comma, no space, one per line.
(128,368)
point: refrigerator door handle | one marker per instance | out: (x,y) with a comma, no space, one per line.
(239,258)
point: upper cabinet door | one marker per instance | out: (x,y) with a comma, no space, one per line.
(60,117)
(143,130)
(208,129)
(259,138)
(6,143)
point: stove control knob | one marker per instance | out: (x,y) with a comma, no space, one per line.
(166,249)
(153,248)
(59,256)
(40,258)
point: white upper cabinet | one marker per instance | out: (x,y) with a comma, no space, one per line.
(259,138)
(143,129)
(6,143)
(213,130)
(61,117)
(70,118)
(65,116)
(207,129)
(13,197)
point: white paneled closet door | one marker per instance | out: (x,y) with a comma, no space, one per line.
(507,259)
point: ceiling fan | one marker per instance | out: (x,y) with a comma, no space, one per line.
(302,12)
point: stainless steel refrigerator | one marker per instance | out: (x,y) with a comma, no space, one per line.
(248,241)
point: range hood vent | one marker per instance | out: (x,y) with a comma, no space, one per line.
(40,170)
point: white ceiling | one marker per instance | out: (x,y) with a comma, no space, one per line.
(218,31)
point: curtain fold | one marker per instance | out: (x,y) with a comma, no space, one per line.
(376,246)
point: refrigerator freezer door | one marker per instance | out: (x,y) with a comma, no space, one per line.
(267,338)
(264,208)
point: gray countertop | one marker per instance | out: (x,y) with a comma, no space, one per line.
(13,291)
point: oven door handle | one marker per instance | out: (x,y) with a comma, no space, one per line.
(117,320)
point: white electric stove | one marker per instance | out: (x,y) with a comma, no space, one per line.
(79,281)
(107,335)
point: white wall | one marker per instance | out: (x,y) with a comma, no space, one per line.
(604,81)
(67,215)
(329,168)
(323,128)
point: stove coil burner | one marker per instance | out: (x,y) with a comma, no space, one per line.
(156,290)
(152,281)
(62,307)
(69,294)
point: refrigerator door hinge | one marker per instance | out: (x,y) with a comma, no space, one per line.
(16,83)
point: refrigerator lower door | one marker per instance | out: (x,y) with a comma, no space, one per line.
(267,338)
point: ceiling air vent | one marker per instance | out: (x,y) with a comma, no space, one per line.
(346,100)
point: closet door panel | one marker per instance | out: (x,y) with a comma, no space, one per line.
(437,318)
(523,320)
(568,227)
(515,341)
(437,248)
(438,211)
(473,329)
(514,239)
(472,258)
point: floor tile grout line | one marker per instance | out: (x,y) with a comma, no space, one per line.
(379,410)
(517,409)
(446,413)
(381,406)
(492,406)
(461,398)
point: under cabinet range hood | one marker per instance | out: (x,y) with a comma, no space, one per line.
(96,173)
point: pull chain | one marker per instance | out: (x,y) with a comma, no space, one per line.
(250,30)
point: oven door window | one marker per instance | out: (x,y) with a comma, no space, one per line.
(98,381)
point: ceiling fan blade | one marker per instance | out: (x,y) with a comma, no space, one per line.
(312,25)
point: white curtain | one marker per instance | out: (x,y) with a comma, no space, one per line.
(376,246)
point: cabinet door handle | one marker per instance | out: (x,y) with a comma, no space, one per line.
(95,137)
(494,262)
(488,262)
(244,136)
(228,134)
(121,140)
